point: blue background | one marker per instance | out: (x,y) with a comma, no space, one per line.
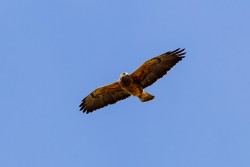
(55,52)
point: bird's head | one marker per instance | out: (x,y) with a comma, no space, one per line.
(124,79)
(123,74)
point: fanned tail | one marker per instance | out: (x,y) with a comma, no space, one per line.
(144,97)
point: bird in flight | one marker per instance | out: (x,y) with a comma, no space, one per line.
(133,84)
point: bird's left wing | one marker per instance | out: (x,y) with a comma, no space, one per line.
(155,68)
(102,97)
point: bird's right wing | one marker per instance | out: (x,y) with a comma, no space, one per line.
(102,97)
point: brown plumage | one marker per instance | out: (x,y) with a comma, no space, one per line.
(133,84)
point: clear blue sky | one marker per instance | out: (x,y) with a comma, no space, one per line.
(55,52)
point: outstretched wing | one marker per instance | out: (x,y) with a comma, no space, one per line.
(102,97)
(155,68)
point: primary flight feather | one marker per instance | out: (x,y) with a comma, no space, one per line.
(133,84)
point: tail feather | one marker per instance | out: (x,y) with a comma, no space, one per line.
(144,97)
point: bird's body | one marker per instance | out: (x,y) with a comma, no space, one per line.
(134,88)
(127,83)
(133,84)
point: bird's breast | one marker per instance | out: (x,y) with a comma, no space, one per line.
(125,81)
(129,86)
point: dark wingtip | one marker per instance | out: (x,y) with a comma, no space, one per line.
(84,110)
(82,104)
(179,52)
(83,107)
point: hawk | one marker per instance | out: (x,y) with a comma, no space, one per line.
(133,84)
